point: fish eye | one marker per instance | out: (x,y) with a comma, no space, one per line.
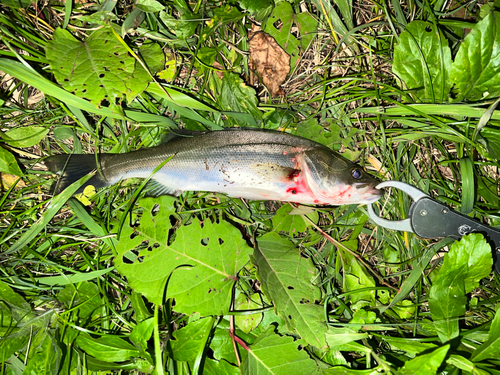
(356,173)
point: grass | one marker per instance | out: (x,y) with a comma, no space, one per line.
(82,287)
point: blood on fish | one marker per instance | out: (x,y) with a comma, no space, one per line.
(292,190)
(294,174)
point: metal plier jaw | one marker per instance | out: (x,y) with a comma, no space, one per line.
(429,218)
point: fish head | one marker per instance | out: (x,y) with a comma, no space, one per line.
(334,180)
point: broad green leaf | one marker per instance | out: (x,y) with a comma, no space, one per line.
(199,262)
(98,69)
(184,27)
(13,343)
(292,224)
(476,69)
(238,97)
(213,367)
(286,280)
(84,297)
(108,348)
(310,129)
(492,140)
(356,276)
(425,364)
(46,359)
(467,262)
(465,365)
(339,336)
(14,310)
(254,6)
(307,26)
(247,322)
(153,57)
(25,136)
(422,60)
(142,333)
(222,16)
(221,343)
(8,163)
(149,6)
(341,370)
(190,340)
(274,354)
(490,349)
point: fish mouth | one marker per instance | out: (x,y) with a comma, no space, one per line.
(369,192)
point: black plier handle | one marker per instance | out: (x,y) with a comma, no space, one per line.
(429,218)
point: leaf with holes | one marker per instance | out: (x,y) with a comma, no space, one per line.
(200,262)
(422,60)
(263,357)
(279,26)
(97,69)
(286,279)
(238,97)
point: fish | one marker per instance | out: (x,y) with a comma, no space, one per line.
(245,163)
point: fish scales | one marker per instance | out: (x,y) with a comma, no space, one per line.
(253,164)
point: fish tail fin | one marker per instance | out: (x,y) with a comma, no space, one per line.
(71,168)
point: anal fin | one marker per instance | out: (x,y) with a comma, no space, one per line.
(155,188)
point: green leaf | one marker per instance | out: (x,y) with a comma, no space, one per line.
(190,340)
(238,97)
(490,349)
(47,358)
(141,334)
(184,27)
(286,280)
(356,276)
(425,363)
(422,60)
(476,69)
(25,136)
(149,6)
(8,163)
(310,129)
(12,305)
(222,16)
(108,348)
(467,262)
(213,367)
(465,365)
(247,322)
(153,57)
(410,346)
(98,69)
(292,224)
(335,337)
(284,15)
(254,6)
(200,264)
(85,298)
(274,354)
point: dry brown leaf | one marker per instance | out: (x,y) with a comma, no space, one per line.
(269,60)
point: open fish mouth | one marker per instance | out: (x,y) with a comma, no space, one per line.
(369,192)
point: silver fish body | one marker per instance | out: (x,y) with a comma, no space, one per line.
(243,163)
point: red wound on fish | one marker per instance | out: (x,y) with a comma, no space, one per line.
(292,190)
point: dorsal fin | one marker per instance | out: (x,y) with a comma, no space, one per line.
(178,133)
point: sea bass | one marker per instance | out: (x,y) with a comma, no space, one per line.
(242,163)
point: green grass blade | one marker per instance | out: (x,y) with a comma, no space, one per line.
(52,209)
(73,279)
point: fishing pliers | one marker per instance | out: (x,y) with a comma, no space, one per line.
(429,218)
